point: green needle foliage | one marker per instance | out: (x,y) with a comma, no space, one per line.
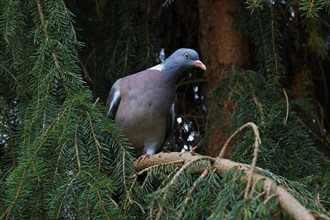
(63,153)
(61,157)
(131,34)
(282,132)
(263,28)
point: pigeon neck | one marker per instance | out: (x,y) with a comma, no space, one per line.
(171,68)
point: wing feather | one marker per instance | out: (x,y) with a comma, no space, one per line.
(170,122)
(113,99)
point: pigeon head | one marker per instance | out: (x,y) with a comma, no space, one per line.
(181,60)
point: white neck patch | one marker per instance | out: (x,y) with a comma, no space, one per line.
(158,67)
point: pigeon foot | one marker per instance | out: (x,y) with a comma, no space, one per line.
(143,157)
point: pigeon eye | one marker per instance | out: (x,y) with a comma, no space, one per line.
(186,55)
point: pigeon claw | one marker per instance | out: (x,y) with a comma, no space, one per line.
(143,157)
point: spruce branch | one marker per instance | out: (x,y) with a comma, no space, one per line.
(269,198)
(256,133)
(87,77)
(156,166)
(76,145)
(8,71)
(61,137)
(185,167)
(96,101)
(175,178)
(287,107)
(128,199)
(124,179)
(192,189)
(68,16)
(290,204)
(97,143)
(263,39)
(42,19)
(133,201)
(26,168)
(101,202)
(273,40)
(257,142)
(147,29)
(259,106)
(66,193)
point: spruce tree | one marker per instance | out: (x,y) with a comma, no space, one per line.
(62,157)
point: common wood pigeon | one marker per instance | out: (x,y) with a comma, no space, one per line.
(142,104)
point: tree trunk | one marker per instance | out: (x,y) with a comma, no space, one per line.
(222,48)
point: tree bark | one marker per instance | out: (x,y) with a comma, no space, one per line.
(222,48)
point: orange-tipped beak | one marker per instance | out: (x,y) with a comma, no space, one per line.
(200,65)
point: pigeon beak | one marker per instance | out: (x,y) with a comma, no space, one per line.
(200,64)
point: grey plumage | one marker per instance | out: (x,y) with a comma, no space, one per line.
(142,104)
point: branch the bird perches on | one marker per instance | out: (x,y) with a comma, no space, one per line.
(286,200)
(291,205)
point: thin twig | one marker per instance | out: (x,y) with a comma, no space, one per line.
(76,145)
(98,145)
(188,198)
(257,142)
(157,165)
(287,107)
(96,101)
(269,198)
(42,19)
(225,146)
(185,167)
(175,177)
(259,106)
(86,74)
(193,149)
(101,202)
